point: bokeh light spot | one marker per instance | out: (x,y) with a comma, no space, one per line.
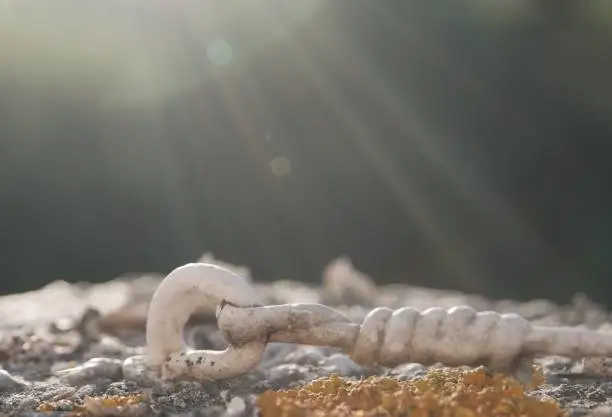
(280,166)
(220,52)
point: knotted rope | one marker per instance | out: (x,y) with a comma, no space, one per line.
(456,336)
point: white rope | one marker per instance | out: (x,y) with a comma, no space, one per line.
(457,336)
(178,296)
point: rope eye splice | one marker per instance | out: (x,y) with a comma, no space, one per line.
(458,336)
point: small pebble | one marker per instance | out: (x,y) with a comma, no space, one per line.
(91,371)
(10,384)
(108,346)
(236,406)
(56,391)
(122,388)
(135,370)
(283,376)
(344,284)
(409,371)
(65,394)
(594,367)
(341,364)
(29,348)
(86,391)
(89,324)
(309,355)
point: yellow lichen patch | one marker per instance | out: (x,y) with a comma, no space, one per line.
(107,405)
(441,393)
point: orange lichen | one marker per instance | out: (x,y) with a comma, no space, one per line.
(107,405)
(442,392)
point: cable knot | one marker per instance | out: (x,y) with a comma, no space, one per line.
(456,336)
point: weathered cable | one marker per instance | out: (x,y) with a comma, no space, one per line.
(455,336)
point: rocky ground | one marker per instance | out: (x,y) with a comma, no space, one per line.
(61,347)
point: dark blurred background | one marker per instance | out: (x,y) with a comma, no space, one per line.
(454,144)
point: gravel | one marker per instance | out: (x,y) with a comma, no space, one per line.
(62,347)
